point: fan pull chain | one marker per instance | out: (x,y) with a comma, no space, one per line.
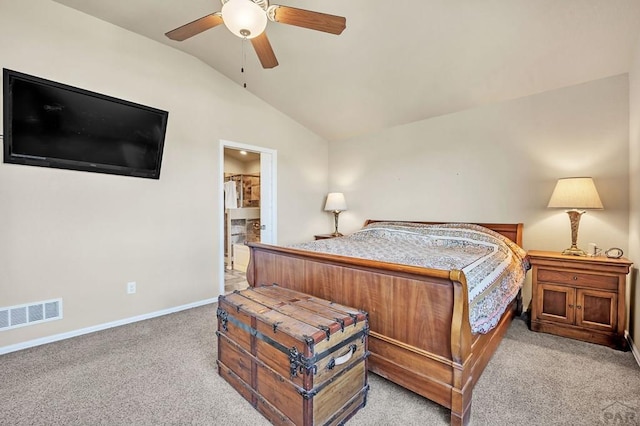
(244,60)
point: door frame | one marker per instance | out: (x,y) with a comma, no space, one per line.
(268,185)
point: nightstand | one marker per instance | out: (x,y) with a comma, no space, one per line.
(325,236)
(579,297)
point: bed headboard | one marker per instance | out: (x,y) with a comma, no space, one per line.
(513,231)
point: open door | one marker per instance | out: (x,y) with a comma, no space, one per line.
(267,218)
(268,231)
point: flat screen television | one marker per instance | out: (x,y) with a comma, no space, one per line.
(50,124)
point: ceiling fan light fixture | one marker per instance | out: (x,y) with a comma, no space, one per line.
(244,18)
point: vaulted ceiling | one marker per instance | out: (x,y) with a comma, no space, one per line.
(405,60)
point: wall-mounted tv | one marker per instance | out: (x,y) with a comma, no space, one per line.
(50,124)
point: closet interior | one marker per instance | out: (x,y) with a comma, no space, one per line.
(242,208)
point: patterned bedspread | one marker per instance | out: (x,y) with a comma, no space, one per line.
(495,267)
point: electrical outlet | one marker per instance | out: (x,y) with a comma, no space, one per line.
(131,287)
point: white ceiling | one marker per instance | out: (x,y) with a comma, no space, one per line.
(405,60)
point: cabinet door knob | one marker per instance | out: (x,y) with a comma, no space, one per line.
(575,278)
(570,305)
(578,307)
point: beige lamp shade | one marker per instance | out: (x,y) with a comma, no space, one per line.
(335,202)
(575,193)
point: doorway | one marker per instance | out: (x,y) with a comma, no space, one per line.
(248,207)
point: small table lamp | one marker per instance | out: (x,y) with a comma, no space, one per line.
(573,194)
(336,204)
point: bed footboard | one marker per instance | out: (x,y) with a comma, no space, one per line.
(420,336)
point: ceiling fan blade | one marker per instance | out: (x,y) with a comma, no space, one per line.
(264,51)
(195,27)
(307,19)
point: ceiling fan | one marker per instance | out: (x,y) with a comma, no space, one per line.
(248,19)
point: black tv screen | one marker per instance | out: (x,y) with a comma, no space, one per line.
(51,124)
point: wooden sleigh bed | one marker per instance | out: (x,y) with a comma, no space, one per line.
(420,334)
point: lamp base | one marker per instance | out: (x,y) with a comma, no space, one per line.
(574,218)
(574,251)
(335,233)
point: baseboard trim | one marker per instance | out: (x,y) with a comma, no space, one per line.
(634,349)
(87,330)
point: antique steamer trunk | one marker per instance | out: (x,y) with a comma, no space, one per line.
(298,359)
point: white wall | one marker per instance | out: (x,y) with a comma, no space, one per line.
(82,236)
(634,193)
(497,163)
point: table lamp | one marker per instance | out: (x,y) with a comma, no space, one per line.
(575,193)
(336,204)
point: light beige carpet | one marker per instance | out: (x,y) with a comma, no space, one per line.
(163,372)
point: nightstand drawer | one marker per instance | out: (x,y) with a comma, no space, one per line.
(579,279)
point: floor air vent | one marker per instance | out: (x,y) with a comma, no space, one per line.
(30,314)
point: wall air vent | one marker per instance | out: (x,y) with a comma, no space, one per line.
(30,314)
